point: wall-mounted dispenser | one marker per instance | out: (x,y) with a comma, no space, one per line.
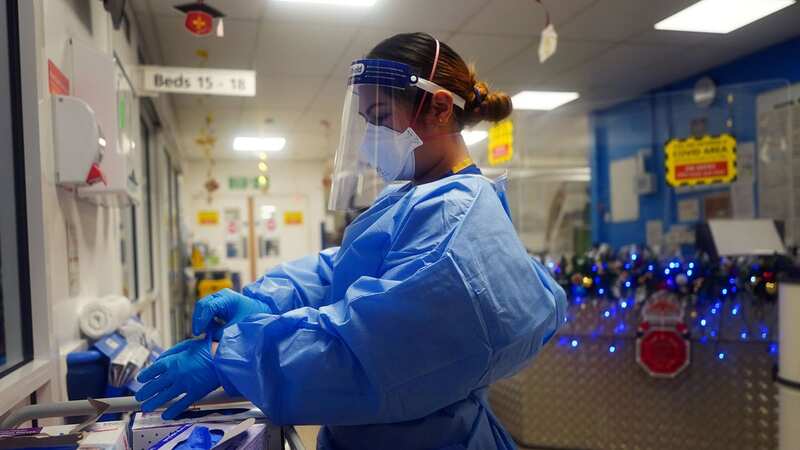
(79,142)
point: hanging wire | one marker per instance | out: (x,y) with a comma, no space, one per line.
(546,13)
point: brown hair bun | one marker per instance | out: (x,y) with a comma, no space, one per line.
(486,105)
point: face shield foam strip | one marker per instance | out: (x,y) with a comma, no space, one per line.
(380,72)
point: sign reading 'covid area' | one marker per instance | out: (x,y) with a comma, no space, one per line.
(705,160)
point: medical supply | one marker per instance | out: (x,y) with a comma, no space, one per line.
(246,435)
(103,316)
(149,428)
(97,436)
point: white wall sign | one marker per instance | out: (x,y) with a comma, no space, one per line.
(184,80)
(624,198)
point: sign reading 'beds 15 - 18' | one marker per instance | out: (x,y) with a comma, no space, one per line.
(184,80)
(704,160)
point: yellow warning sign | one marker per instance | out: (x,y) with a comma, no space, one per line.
(208,217)
(705,160)
(501,142)
(293,217)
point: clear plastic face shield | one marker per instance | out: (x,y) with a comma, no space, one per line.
(377,143)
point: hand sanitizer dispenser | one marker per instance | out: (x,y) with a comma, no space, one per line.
(79,142)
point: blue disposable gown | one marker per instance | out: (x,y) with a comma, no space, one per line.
(392,339)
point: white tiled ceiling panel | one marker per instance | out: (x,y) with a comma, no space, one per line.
(607,50)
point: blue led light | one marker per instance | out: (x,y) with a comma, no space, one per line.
(721,355)
(703,322)
(691,265)
(718,305)
(551,264)
(743,335)
(764,332)
(724,291)
(732,280)
(607,314)
(627,266)
(634,257)
(689,273)
(735,310)
(601,291)
(713,310)
(594,268)
(627,284)
(650,268)
(713,334)
(666,271)
(563,341)
(623,304)
(753,279)
(574,343)
(612,349)
(773,348)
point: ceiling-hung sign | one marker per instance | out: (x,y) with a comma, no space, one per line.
(186,80)
(703,160)
(501,142)
(200,18)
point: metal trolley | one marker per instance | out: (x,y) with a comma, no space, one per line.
(277,436)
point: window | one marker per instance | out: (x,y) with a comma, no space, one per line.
(15,308)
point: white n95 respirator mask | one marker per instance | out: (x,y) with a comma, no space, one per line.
(390,152)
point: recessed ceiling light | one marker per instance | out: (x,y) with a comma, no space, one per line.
(721,16)
(473,136)
(259,144)
(542,100)
(335,2)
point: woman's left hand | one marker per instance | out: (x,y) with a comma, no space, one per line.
(187,368)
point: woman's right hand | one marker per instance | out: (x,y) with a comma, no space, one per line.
(214,313)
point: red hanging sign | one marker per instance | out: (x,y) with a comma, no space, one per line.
(199,23)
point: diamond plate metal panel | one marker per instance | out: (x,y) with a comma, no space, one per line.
(589,398)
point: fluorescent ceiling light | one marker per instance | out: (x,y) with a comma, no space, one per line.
(335,2)
(259,144)
(721,16)
(473,136)
(542,100)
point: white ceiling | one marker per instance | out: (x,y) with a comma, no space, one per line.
(607,50)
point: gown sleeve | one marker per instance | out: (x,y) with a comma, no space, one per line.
(301,283)
(458,305)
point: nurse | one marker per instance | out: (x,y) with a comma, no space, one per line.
(391,340)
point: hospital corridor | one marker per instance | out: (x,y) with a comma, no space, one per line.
(400,224)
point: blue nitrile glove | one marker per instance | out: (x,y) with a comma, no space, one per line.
(187,368)
(200,439)
(221,309)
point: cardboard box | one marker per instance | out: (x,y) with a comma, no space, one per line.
(149,428)
(252,437)
(99,436)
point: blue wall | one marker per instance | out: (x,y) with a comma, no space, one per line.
(650,121)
